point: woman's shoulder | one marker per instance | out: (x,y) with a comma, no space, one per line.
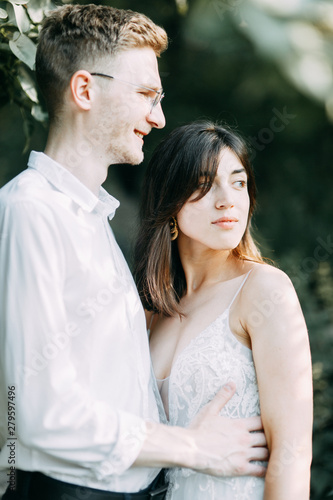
(266,280)
(268,296)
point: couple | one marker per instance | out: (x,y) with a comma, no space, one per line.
(217,312)
(74,350)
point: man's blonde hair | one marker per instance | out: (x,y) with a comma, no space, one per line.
(73,36)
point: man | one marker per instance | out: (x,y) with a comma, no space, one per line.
(78,413)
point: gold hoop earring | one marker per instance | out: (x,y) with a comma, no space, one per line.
(173,229)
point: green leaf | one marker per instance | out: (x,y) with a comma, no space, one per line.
(28,84)
(39,114)
(17,2)
(3,14)
(22,19)
(37,9)
(24,49)
(11,21)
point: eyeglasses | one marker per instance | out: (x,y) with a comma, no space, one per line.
(154,101)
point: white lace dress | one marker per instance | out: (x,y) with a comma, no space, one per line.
(211,359)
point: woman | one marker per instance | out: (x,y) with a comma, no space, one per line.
(218,312)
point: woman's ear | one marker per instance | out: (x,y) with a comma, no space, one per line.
(81,89)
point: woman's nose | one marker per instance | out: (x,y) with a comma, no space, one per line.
(224,199)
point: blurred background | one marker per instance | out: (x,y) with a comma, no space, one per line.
(262,66)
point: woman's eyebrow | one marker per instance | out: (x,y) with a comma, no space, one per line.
(206,173)
(238,171)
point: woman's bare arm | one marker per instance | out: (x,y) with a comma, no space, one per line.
(273,317)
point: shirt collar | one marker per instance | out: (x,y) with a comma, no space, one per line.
(67,183)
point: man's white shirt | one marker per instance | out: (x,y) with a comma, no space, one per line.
(73,337)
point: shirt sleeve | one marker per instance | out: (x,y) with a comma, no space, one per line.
(55,413)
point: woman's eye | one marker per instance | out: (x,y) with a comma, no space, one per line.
(203,182)
(240,183)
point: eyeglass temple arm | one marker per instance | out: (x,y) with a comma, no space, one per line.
(101,74)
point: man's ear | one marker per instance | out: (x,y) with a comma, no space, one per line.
(81,89)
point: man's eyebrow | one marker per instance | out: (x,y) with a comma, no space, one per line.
(150,86)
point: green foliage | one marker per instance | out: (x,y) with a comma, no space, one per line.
(322,468)
(19,25)
(314,286)
(247,62)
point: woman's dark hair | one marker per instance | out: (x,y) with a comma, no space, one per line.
(174,173)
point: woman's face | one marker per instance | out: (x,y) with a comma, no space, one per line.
(218,220)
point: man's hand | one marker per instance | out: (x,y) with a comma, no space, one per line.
(212,444)
(224,446)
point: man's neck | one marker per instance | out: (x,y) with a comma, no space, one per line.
(80,159)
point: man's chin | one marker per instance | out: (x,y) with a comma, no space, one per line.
(128,159)
(137,159)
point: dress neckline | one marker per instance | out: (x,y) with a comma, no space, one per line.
(194,339)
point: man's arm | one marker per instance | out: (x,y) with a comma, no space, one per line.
(212,444)
(56,413)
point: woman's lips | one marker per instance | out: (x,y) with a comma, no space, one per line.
(226,222)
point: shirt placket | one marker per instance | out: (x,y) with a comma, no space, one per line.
(124,274)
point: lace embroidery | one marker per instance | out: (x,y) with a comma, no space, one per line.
(211,359)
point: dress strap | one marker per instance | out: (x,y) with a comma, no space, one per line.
(150,323)
(239,289)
